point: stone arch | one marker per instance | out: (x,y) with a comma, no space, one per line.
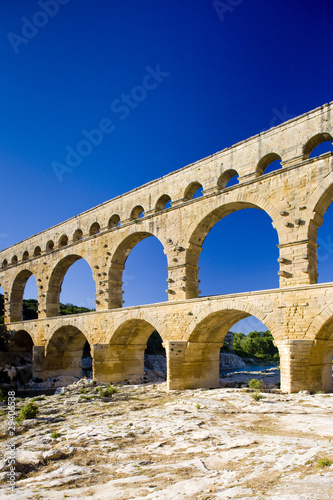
(162,202)
(94,229)
(200,227)
(137,212)
(318,205)
(194,362)
(78,235)
(49,246)
(225,177)
(55,283)
(266,161)
(63,352)
(63,240)
(321,328)
(132,331)
(320,353)
(4,264)
(21,342)
(114,221)
(217,320)
(127,347)
(118,261)
(321,199)
(14,260)
(314,141)
(191,190)
(25,255)
(16,295)
(37,251)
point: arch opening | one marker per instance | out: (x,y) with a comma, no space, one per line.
(310,148)
(227,179)
(78,235)
(95,228)
(21,342)
(193,191)
(74,285)
(269,163)
(14,260)
(20,356)
(244,352)
(37,251)
(114,221)
(325,247)
(137,213)
(239,251)
(24,297)
(144,353)
(163,203)
(320,359)
(138,272)
(30,299)
(321,149)
(87,361)
(49,246)
(155,364)
(63,241)
(25,255)
(65,353)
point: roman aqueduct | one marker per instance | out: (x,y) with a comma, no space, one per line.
(299,313)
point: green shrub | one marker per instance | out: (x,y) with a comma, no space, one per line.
(254,383)
(55,435)
(2,397)
(324,462)
(108,392)
(198,406)
(29,410)
(39,398)
(256,396)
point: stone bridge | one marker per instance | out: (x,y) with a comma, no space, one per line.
(299,313)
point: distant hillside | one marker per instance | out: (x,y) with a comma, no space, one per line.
(30,307)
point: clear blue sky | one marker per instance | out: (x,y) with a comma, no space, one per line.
(230,75)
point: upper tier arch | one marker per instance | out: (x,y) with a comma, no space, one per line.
(55,282)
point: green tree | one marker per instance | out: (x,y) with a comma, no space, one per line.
(255,344)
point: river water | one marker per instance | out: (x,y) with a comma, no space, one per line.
(252,368)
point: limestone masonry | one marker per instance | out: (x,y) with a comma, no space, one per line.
(299,313)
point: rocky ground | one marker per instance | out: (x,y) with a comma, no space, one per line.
(144,442)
